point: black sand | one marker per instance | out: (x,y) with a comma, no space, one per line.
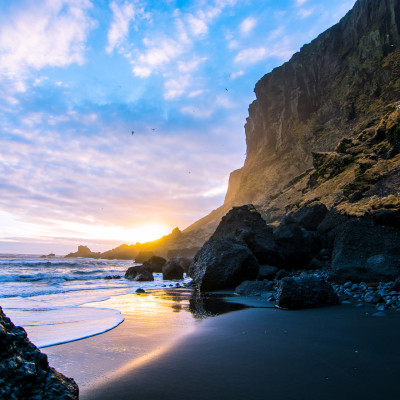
(339,352)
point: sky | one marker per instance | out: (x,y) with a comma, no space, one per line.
(120,120)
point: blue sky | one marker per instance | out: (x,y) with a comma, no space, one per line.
(78,76)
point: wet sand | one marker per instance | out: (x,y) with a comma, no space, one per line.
(339,352)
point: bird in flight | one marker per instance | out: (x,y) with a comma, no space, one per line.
(153,129)
(133,132)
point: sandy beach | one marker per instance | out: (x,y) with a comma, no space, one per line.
(163,351)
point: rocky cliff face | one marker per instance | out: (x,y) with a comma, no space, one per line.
(335,86)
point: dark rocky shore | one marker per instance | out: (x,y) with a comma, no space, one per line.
(312,218)
(25,373)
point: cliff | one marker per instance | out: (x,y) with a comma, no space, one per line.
(336,86)
(341,85)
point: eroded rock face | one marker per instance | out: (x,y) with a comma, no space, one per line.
(245,224)
(172,270)
(24,371)
(222,264)
(335,85)
(365,252)
(305,292)
(139,273)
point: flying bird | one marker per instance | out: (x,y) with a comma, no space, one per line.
(153,129)
(133,132)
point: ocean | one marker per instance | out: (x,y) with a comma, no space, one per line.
(51,297)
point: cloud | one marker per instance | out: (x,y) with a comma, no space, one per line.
(251,56)
(247,25)
(122,16)
(197,26)
(41,34)
(300,2)
(304,13)
(175,87)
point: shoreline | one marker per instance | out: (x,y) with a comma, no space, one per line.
(256,352)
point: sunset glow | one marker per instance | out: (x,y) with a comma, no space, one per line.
(122,120)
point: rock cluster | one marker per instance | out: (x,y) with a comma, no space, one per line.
(24,370)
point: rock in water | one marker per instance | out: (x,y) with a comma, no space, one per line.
(172,270)
(305,292)
(24,371)
(222,264)
(246,225)
(139,273)
(155,263)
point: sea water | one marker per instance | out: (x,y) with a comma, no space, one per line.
(50,297)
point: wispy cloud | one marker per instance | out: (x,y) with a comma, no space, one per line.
(251,56)
(305,12)
(47,33)
(247,25)
(123,14)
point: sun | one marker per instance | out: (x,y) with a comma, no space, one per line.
(147,232)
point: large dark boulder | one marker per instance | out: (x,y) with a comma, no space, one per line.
(139,273)
(222,264)
(296,245)
(365,252)
(155,264)
(172,270)
(25,373)
(143,256)
(305,292)
(311,216)
(245,224)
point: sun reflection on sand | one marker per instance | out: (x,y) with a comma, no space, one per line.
(155,323)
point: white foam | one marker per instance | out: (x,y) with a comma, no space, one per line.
(50,327)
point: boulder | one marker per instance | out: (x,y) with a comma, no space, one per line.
(296,245)
(245,224)
(172,270)
(24,369)
(365,252)
(253,288)
(267,272)
(373,298)
(387,217)
(311,216)
(155,264)
(305,292)
(139,273)
(143,256)
(222,264)
(183,262)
